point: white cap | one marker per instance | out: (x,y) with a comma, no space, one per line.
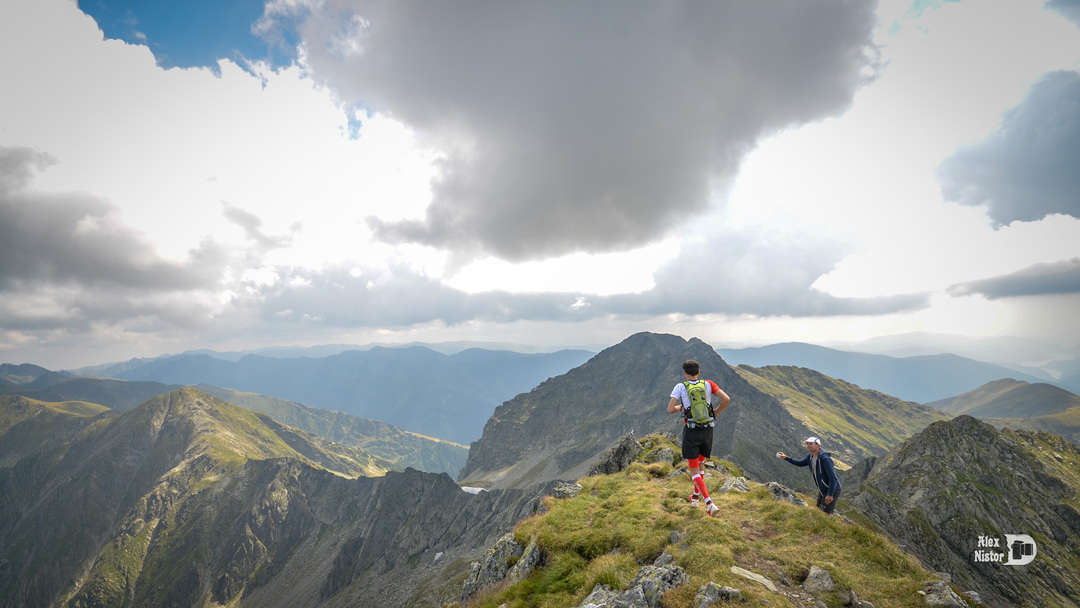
(813,440)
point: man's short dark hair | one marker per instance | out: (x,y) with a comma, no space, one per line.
(691,367)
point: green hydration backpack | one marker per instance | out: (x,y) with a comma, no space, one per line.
(700,413)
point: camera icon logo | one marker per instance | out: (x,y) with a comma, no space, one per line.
(1020,549)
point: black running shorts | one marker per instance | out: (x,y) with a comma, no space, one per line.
(697,442)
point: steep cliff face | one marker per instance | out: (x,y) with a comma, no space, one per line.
(187,500)
(960,480)
(558,429)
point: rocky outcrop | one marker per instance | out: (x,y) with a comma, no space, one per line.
(493,566)
(962,481)
(618,457)
(645,591)
(938,593)
(710,594)
(818,581)
(734,484)
(781,492)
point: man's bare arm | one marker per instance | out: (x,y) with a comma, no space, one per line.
(724,401)
(674,405)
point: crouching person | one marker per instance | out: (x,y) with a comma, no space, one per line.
(823,472)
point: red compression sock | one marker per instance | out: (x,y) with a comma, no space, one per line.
(699,483)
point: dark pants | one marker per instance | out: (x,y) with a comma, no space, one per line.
(828,508)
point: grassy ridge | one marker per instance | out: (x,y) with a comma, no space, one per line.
(854,422)
(622,521)
(15,409)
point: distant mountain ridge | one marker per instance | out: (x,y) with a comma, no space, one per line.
(400,448)
(1021,405)
(559,428)
(921,379)
(853,422)
(418,389)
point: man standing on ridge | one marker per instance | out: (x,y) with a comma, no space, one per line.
(823,471)
(693,397)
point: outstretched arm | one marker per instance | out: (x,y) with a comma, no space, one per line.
(805,462)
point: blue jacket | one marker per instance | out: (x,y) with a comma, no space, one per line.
(825,475)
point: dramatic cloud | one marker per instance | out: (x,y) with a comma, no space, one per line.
(583,126)
(1028,169)
(66,262)
(741,274)
(1040,279)
(61,238)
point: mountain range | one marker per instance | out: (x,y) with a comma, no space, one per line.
(921,379)
(1020,405)
(418,389)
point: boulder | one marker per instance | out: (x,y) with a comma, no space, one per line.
(493,567)
(734,484)
(818,581)
(602,596)
(711,593)
(782,492)
(618,457)
(565,489)
(938,593)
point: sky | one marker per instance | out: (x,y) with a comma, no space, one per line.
(297,172)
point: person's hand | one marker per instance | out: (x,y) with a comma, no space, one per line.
(781,455)
(828,499)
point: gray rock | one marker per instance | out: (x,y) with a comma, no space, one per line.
(974,596)
(603,597)
(734,484)
(565,489)
(665,559)
(711,593)
(852,599)
(654,581)
(618,457)
(662,455)
(493,567)
(820,604)
(784,579)
(676,537)
(782,492)
(945,576)
(530,558)
(865,604)
(818,581)
(938,593)
(754,576)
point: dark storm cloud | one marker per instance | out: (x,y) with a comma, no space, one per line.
(66,262)
(1028,169)
(585,126)
(1069,8)
(743,274)
(252,226)
(1040,279)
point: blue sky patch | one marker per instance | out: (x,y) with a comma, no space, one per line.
(191,33)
